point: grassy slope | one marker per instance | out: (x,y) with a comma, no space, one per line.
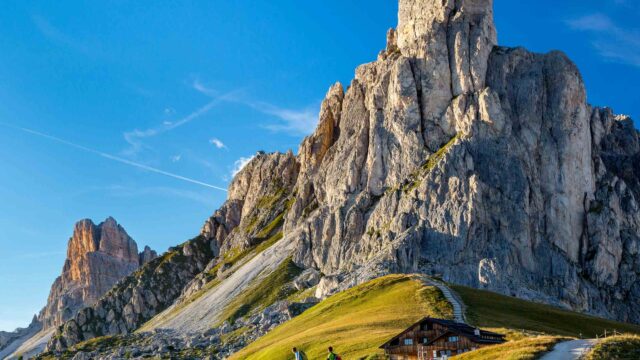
(490,310)
(356,322)
(525,349)
(616,348)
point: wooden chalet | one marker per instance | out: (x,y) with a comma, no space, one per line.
(435,339)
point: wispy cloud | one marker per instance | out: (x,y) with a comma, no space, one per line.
(239,164)
(176,158)
(58,36)
(112,157)
(592,22)
(609,39)
(135,137)
(217,143)
(291,121)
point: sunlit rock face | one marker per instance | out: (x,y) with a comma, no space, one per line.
(98,256)
(448,155)
(486,165)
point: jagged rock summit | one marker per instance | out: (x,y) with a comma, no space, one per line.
(448,155)
(98,256)
(451,155)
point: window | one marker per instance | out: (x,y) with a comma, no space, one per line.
(425,340)
(408,341)
(453,339)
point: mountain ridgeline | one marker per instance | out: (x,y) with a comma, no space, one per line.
(448,155)
(98,256)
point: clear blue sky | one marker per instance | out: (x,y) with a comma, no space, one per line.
(192,90)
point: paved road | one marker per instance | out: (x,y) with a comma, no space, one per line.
(570,350)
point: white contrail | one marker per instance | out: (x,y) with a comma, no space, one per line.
(112,157)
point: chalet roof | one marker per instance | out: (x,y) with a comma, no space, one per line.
(455,328)
(473,337)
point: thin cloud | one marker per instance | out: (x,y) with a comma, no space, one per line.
(56,35)
(176,158)
(610,40)
(294,122)
(593,22)
(135,137)
(200,87)
(239,164)
(113,158)
(217,143)
(291,121)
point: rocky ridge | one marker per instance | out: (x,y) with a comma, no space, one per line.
(7,338)
(138,297)
(480,163)
(448,155)
(216,343)
(98,256)
(250,220)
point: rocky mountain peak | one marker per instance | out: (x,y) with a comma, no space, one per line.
(420,20)
(448,155)
(98,256)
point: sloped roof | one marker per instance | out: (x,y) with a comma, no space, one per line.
(455,328)
(473,337)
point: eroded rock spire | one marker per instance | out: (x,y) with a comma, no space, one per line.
(453,38)
(98,256)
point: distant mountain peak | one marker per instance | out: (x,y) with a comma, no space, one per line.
(98,256)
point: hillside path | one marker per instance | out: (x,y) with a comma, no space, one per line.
(452,298)
(570,350)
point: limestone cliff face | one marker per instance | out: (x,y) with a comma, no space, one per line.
(484,164)
(98,256)
(454,156)
(447,155)
(257,200)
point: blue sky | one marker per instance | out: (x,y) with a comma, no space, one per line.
(139,110)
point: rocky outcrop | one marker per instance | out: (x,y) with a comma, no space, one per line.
(216,343)
(98,256)
(257,195)
(257,201)
(138,297)
(6,338)
(147,255)
(480,163)
(447,155)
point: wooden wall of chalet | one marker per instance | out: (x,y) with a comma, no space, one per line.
(417,335)
(443,344)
